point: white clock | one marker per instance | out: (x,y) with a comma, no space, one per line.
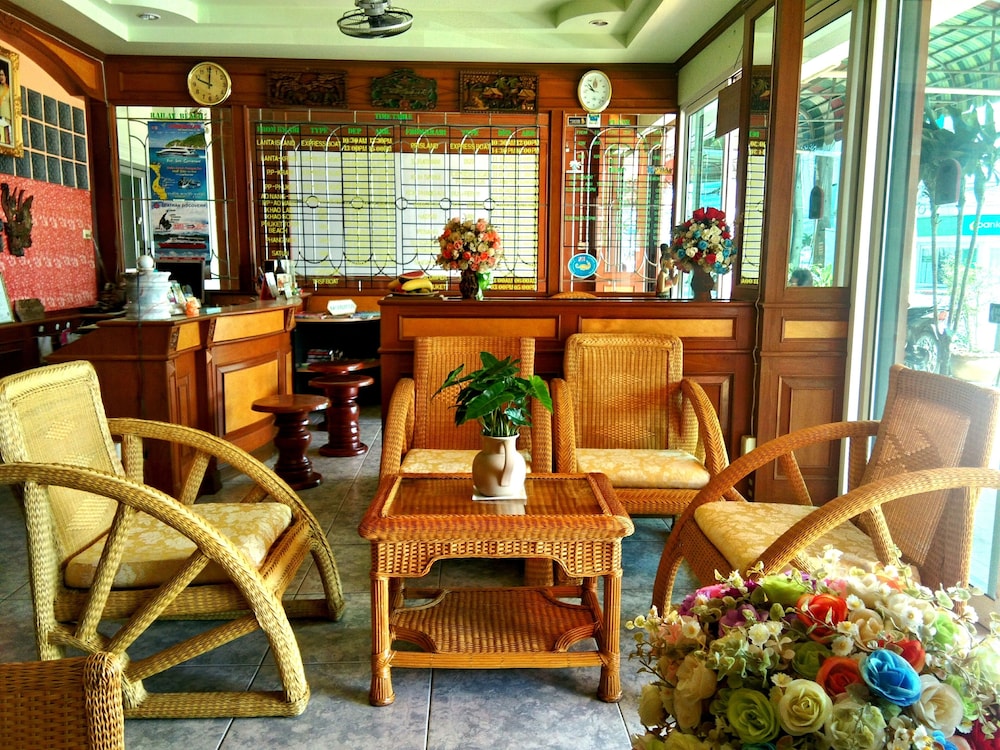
(594,91)
(209,83)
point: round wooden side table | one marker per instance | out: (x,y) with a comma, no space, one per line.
(291,418)
(341,382)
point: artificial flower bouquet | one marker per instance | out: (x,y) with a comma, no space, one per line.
(469,245)
(705,240)
(831,658)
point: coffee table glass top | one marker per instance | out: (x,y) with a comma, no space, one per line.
(547,495)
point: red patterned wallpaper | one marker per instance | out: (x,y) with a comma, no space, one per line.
(59,267)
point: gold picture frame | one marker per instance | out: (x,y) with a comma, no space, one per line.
(10,104)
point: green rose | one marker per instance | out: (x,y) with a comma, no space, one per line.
(949,633)
(752,716)
(784,589)
(808,657)
(855,726)
(804,707)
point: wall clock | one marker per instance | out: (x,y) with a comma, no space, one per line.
(594,91)
(209,84)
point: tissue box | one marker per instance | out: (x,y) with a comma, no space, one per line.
(341,307)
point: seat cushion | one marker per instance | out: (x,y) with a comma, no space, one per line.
(742,531)
(154,551)
(434,461)
(647,469)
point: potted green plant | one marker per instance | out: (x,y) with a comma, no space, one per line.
(496,395)
(499,399)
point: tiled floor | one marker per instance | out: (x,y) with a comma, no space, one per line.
(434,709)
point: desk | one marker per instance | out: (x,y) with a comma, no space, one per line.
(417,519)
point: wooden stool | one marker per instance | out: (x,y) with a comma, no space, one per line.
(343,434)
(291,417)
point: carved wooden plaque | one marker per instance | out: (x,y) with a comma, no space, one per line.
(498,92)
(307,88)
(403,89)
(29,309)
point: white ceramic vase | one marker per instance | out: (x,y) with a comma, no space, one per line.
(498,470)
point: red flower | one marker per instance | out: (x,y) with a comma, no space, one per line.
(913,651)
(980,741)
(823,611)
(836,673)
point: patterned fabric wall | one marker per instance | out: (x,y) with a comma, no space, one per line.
(58,268)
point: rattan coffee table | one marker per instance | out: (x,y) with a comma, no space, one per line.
(573,519)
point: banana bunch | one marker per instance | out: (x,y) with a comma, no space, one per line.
(411,282)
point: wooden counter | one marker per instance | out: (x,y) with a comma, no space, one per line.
(203,372)
(718,338)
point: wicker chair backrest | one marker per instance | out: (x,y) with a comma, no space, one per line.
(433,358)
(55,414)
(626,390)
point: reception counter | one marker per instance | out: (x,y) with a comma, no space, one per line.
(718,338)
(204,371)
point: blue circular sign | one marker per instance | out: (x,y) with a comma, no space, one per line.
(582,265)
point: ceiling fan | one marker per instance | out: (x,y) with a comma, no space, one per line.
(374,19)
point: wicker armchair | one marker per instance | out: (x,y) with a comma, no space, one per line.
(68,704)
(623,408)
(420,435)
(906,502)
(104,546)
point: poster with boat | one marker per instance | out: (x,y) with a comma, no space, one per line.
(177,160)
(180,228)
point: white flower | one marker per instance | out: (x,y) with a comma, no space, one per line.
(940,705)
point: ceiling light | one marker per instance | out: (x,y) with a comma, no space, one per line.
(598,22)
(148,16)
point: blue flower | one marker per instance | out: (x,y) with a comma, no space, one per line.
(890,676)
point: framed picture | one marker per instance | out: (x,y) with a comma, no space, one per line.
(497,92)
(6,313)
(10,105)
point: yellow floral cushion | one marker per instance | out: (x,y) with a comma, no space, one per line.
(667,469)
(434,461)
(741,531)
(154,551)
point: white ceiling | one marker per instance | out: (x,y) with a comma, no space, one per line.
(513,31)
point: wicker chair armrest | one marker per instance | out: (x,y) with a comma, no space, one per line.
(869,497)
(564,427)
(77,699)
(711,444)
(268,484)
(541,438)
(397,434)
(211,544)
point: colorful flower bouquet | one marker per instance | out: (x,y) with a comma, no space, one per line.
(845,660)
(469,245)
(705,240)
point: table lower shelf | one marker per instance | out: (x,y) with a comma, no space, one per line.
(490,628)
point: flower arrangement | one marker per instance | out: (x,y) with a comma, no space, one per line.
(705,240)
(469,245)
(834,658)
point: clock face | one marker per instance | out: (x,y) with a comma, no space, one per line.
(209,83)
(594,91)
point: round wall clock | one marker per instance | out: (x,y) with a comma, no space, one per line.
(594,91)
(209,83)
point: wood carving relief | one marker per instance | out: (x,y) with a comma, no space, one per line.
(403,89)
(498,92)
(307,88)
